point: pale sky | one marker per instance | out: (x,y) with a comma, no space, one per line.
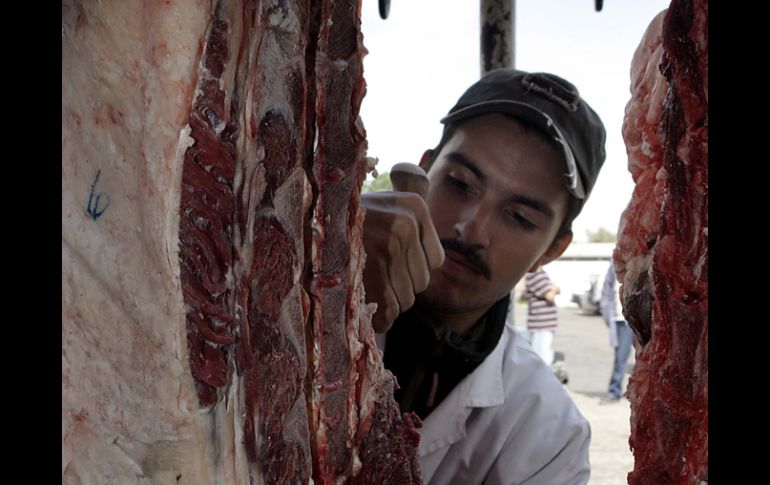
(426,54)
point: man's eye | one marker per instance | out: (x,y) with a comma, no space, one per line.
(521,220)
(457,183)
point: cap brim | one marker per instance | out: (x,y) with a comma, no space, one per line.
(531,116)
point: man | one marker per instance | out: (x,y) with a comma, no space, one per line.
(621,335)
(519,155)
(542,316)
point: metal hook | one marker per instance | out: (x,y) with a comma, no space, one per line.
(384,8)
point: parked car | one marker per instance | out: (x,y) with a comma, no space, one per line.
(588,301)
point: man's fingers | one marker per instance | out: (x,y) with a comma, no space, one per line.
(387,311)
(418,267)
(407,244)
(402,248)
(431,244)
(407,177)
(400,279)
(379,291)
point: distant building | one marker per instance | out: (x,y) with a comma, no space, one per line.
(581,251)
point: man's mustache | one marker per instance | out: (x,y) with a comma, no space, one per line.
(473,256)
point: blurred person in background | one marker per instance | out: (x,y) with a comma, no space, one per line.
(621,335)
(542,318)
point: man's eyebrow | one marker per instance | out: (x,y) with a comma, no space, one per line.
(538,205)
(461,159)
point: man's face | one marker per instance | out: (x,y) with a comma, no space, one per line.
(497,198)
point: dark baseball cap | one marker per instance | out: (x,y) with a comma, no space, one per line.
(550,104)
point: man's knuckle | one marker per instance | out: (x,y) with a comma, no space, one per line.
(415,199)
(393,243)
(408,301)
(406,228)
(420,284)
(391,311)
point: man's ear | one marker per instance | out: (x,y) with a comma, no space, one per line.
(556,249)
(425,160)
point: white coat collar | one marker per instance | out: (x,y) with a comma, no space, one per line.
(481,388)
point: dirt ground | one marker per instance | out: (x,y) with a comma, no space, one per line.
(584,340)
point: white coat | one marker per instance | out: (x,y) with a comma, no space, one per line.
(508,422)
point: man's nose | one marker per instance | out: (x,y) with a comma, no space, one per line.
(475,226)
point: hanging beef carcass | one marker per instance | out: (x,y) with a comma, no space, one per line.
(662,253)
(214,328)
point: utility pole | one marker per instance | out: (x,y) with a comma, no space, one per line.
(497,34)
